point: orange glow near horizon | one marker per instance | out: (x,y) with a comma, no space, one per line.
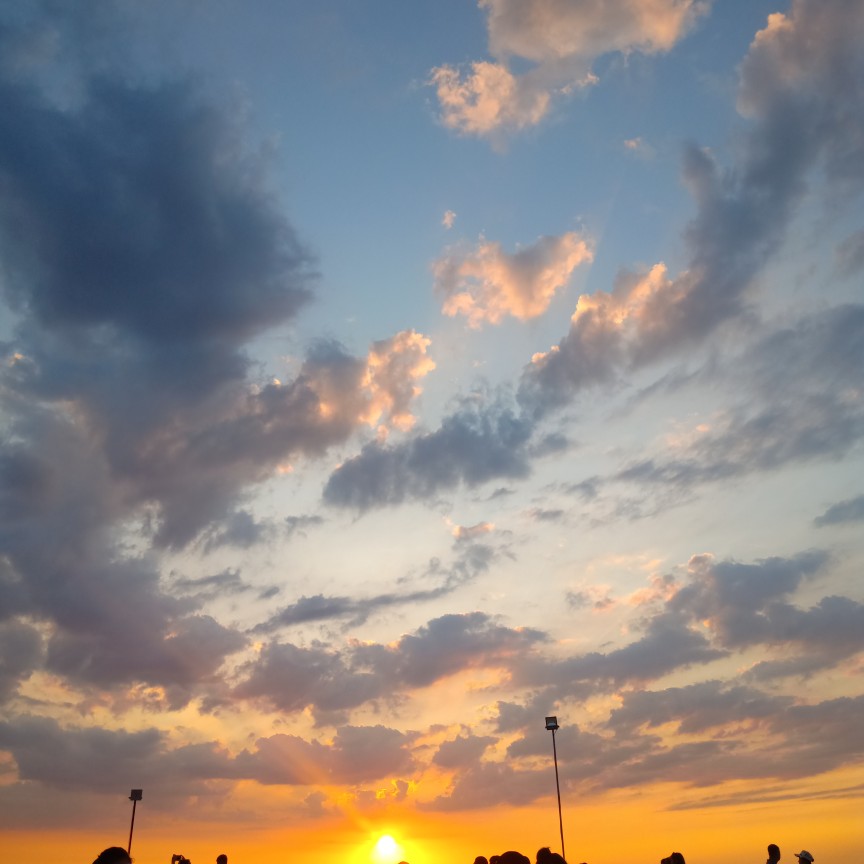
(622,827)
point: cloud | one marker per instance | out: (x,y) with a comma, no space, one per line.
(669,644)
(357,754)
(292,678)
(21,652)
(719,720)
(469,533)
(695,708)
(473,559)
(109,622)
(239,530)
(741,220)
(850,254)
(204,588)
(560,39)
(299,524)
(744,605)
(146,221)
(488,99)
(851,510)
(448,219)
(140,233)
(463,750)
(801,85)
(480,441)
(639,147)
(800,403)
(486,283)
(80,758)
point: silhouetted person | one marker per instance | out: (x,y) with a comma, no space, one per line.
(804,857)
(113,855)
(676,858)
(221,859)
(480,859)
(512,857)
(546,856)
(773,853)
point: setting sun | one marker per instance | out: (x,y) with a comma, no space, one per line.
(386,851)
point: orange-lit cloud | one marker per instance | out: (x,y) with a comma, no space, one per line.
(561,38)
(393,368)
(488,98)
(485,283)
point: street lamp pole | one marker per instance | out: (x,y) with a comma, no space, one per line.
(135,796)
(551,726)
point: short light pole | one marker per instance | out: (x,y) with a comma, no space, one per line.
(135,796)
(551,726)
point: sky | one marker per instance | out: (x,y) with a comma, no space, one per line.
(380,378)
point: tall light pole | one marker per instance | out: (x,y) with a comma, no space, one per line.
(135,796)
(551,726)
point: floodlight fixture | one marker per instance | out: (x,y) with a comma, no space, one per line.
(134,796)
(552,726)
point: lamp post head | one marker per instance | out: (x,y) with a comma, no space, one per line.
(136,795)
(551,724)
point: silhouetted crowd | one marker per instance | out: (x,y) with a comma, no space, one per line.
(118,855)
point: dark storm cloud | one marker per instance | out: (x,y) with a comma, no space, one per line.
(472,560)
(803,85)
(475,444)
(851,510)
(291,678)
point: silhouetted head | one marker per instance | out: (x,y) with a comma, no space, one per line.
(221,859)
(773,853)
(480,859)
(511,857)
(676,858)
(804,857)
(113,855)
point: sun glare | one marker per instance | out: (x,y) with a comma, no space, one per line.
(386,851)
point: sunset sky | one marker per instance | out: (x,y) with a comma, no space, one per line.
(378,378)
